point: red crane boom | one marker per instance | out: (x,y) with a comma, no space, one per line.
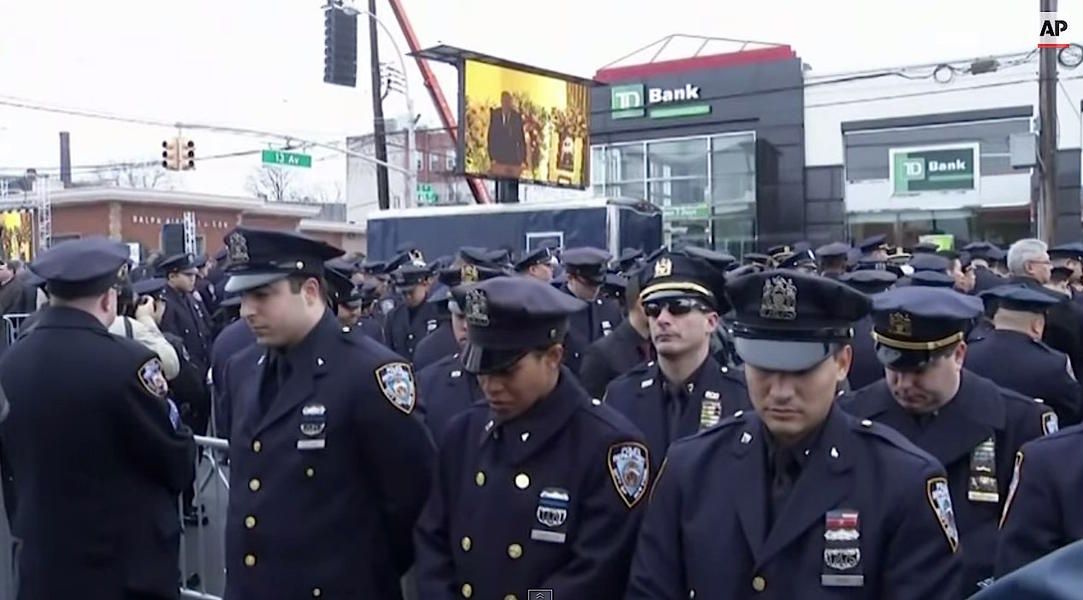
(481,193)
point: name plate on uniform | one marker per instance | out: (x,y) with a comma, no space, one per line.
(842,549)
(311,444)
(553,537)
(842,580)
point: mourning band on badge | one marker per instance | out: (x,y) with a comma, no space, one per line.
(842,549)
(982,482)
(552,512)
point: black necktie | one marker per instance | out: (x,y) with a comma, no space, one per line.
(275,372)
(785,470)
(676,400)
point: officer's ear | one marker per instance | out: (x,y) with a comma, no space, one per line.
(554,356)
(843,357)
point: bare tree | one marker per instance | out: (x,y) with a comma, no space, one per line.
(129,175)
(330,193)
(273,184)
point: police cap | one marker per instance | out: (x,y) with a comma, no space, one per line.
(408,270)
(82,268)
(833,250)
(686,273)
(788,321)
(149,287)
(199,261)
(1020,297)
(898,256)
(507,317)
(475,255)
(1072,251)
(925,248)
(914,324)
(258,257)
(340,287)
(879,265)
(176,263)
(873,243)
(373,267)
(629,258)
(780,252)
(798,260)
(930,262)
(536,256)
(934,279)
(869,281)
(588,263)
(756,258)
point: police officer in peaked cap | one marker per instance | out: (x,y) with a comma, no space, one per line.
(619,352)
(94,450)
(441,342)
(537,263)
(185,316)
(586,270)
(684,390)
(539,487)
(865,368)
(330,465)
(801,260)
(982,257)
(1036,370)
(832,259)
(874,247)
(796,499)
(971,425)
(409,322)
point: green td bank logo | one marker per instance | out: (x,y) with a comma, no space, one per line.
(635,101)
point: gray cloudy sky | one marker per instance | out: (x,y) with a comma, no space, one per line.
(259,64)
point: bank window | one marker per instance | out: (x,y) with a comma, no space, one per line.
(733,169)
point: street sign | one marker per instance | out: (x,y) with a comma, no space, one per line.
(686,212)
(289,159)
(426,194)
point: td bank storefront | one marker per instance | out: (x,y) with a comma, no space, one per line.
(716,141)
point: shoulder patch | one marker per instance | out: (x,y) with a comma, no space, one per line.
(936,489)
(1012,487)
(152,378)
(1050,424)
(397,384)
(629,466)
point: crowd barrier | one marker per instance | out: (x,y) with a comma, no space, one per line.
(202,552)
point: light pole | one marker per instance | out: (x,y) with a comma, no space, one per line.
(411,164)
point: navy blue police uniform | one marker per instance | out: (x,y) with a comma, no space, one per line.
(852,511)
(1037,370)
(406,326)
(445,390)
(549,499)
(612,356)
(600,315)
(1054,577)
(318,505)
(1041,512)
(441,343)
(832,259)
(975,435)
(185,316)
(95,449)
(665,409)
(537,256)
(865,369)
(234,338)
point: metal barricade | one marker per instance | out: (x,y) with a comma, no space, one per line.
(12,323)
(202,552)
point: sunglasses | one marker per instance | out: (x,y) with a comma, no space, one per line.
(676,307)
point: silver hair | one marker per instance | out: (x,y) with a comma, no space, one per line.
(1022,252)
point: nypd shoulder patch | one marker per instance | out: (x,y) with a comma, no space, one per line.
(936,489)
(152,379)
(629,466)
(397,384)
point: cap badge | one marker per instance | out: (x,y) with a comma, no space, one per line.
(238,247)
(417,257)
(477,308)
(899,324)
(663,268)
(779,299)
(469,273)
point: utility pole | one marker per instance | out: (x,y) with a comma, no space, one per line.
(379,136)
(1047,141)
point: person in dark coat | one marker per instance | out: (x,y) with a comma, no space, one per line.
(971,425)
(408,323)
(538,488)
(797,499)
(443,342)
(865,369)
(537,263)
(1033,369)
(684,390)
(1055,576)
(585,268)
(616,354)
(1041,513)
(981,258)
(234,338)
(329,464)
(506,140)
(186,318)
(832,258)
(372,320)
(94,447)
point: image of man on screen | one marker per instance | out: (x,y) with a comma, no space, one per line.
(507,144)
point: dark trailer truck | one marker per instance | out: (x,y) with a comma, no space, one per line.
(441,230)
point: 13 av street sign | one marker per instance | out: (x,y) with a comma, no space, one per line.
(289,159)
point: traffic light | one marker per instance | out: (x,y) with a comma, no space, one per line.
(171,154)
(187,154)
(340,46)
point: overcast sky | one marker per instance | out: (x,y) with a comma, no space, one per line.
(259,64)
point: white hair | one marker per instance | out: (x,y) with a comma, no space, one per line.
(1024,251)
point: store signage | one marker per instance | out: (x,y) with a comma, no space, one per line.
(934,169)
(684,212)
(635,101)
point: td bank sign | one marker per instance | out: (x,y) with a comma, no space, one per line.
(948,168)
(635,101)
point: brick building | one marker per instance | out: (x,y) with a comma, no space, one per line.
(137,215)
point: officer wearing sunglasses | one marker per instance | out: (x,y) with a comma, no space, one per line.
(538,486)
(685,390)
(797,499)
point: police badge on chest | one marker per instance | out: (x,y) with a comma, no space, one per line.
(552,513)
(313,427)
(842,549)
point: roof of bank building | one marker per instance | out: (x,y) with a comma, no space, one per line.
(680,52)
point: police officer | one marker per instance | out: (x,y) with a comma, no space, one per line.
(802,259)
(684,390)
(1036,370)
(415,318)
(329,464)
(372,320)
(95,448)
(1042,512)
(832,258)
(865,369)
(441,342)
(537,263)
(796,499)
(234,338)
(539,487)
(874,248)
(184,315)
(971,425)
(981,259)
(617,353)
(586,268)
